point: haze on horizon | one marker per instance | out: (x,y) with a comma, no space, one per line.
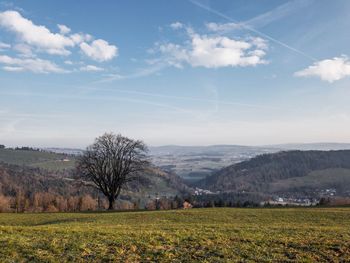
(185,72)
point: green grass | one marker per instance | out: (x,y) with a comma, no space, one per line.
(197,235)
(44,160)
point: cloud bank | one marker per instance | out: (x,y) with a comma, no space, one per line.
(32,40)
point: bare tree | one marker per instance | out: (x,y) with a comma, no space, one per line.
(111,162)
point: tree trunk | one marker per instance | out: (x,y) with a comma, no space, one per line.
(111,202)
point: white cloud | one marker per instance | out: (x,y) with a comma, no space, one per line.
(24,49)
(217,27)
(91,68)
(215,51)
(175,55)
(78,38)
(99,50)
(28,64)
(38,36)
(63,29)
(32,38)
(176,25)
(4,46)
(259,43)
(12,69)
(328,70)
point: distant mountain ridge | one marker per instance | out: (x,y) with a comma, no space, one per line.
(317,146)
(325,146)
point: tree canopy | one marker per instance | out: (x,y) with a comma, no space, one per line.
(111,162)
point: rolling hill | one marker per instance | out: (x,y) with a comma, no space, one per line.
(40,171)
(306,172)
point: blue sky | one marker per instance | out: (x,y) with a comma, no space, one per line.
(174,72)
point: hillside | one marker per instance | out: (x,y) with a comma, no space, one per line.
(38,171)
(307,172)
(29,180)
(194,163)
(39,159)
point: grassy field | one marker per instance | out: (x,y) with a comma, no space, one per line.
(44,160)
(197,235)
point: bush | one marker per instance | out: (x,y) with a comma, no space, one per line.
(5,204)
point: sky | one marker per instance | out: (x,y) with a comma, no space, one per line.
(187,72)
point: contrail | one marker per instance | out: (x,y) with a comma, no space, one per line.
(192,99)
(184,98)
(252,29)
(140,101)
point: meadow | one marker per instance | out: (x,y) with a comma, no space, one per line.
(39,159)
(195,235)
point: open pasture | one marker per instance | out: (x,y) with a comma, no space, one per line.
(196,235)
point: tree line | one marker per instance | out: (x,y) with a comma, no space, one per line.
(48,202)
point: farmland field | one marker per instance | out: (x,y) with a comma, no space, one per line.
(197,235)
